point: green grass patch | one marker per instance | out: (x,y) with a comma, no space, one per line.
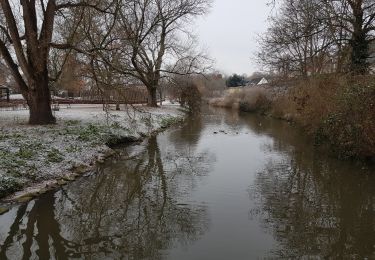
(55,156)
(9,185)
(73,149)
(169,121)
(72,122)
(91,132)
(26,153)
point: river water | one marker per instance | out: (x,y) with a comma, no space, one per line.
(223,186)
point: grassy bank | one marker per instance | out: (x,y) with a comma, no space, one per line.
(36,155)
(337,110)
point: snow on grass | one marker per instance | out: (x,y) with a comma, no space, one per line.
(16,97)
(20,97)
(33,154)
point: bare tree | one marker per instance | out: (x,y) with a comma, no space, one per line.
(297,42)
(150,33)
(357,18)
(27,36)
(306,36)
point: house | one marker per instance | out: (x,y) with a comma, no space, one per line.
(257,81)
(263,81)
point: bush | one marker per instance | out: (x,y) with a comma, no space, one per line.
(254,99)
(228,101)
(336,109)
(309,101)
(351,129)
(188,94)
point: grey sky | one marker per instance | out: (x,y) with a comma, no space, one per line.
(229,33)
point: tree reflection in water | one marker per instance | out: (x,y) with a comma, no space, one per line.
(145,206)
(313,205)
(129,210)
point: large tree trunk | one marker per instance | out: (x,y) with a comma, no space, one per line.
(152,97)
(359,42)
(30,41)
(360,53)
(39,101)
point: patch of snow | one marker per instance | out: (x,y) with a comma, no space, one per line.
(20,97)
(16,97)
(33,154)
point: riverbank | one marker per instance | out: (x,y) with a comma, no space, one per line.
(336,110)
(35,159)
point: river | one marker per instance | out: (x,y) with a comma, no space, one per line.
(223,186)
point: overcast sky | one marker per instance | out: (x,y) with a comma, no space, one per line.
(229,33)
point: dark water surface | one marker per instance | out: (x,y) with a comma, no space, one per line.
(257,190)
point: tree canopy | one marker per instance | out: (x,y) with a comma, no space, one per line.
(235,81)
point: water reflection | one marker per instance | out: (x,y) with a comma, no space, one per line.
(185,195)
(129,210)
(315,206)
(190,132)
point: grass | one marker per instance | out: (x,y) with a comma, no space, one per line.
(11,161)
(90,132)
(9,185)
(147,120)
(73,148)
(169,121)
(55,156)
(26,153)
(26,158)
(72,122)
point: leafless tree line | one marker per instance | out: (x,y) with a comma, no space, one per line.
(114,41)
(308,37)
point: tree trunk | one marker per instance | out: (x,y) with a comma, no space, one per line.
(359,43)
(360,53)
(161,97)
(30,53)
(152,97)
(39,101)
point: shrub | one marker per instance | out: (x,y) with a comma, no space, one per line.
(309,101)
(254,99)
(189,95)
(336,109)
(351,129)
(228,101)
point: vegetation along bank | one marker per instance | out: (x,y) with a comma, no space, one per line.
(337,110)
